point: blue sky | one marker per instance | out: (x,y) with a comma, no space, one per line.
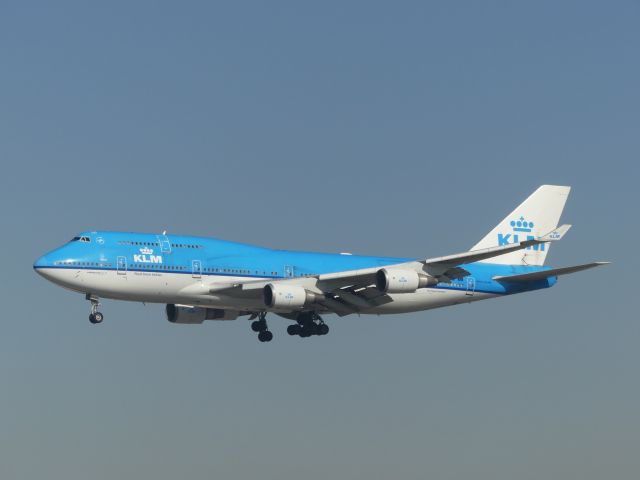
(398,128)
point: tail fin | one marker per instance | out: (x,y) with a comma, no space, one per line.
(537,215)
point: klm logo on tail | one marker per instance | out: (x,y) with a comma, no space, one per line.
(520,227)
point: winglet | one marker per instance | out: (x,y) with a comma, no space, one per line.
(556,234)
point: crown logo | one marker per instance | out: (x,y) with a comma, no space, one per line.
(146,251)
(521,225)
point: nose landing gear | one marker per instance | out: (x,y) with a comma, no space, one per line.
(260,326)
(95,316)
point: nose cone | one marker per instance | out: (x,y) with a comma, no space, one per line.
(40,263)
(41,266)
(47,266)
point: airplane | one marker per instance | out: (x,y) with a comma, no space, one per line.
(209,279)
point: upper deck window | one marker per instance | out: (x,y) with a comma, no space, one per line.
(186,245)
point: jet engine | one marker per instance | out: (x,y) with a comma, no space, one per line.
(185,314)
(394,280)
(287,296)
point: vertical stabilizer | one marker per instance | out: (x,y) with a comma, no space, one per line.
(537,215)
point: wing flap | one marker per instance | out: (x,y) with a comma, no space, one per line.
(340,308)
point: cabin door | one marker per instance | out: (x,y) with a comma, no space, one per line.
(165,244)
(196,268)
(471,286)
(121,265)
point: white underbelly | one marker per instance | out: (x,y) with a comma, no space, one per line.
(152,287)
(427,298)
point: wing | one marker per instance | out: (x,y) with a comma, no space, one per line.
(342,293)
(484,253)
(449,266)
(542,274)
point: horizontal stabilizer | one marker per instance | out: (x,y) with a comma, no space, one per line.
(542,274)
(557,234)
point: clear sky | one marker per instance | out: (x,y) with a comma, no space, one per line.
(390,128)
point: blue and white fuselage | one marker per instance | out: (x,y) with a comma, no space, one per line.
(136,267)
(204,278)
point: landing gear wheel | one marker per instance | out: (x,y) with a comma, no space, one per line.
(294,329)
(265,336)
(309,323)
(95,316)
(258,325)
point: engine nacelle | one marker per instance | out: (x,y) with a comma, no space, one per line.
(395,280)
(185,314)
(287,296)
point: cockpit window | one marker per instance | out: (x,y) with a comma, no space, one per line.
(75,239)
(81,239)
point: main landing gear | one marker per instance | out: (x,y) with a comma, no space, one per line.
(309,323)
(94,316)
(260,326)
